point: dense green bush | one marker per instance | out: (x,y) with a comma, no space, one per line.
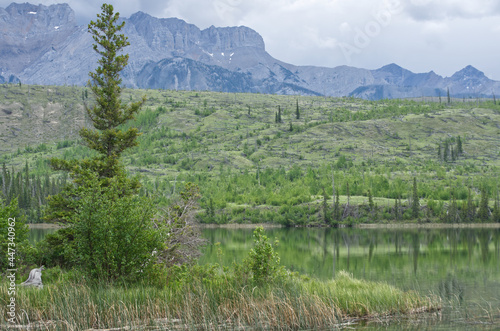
(15,248)
(115,234)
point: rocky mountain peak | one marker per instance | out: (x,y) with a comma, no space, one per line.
(39,16)
(469,72)
(230,38)
(44,45)
(30,30)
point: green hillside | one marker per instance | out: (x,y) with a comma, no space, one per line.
(251,168)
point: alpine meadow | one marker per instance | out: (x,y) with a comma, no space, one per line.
(273,159)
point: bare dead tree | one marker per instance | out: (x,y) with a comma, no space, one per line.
(182,237)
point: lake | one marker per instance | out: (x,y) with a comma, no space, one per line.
(461,265)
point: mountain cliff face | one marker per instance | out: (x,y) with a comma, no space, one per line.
(29,32)
(44,45)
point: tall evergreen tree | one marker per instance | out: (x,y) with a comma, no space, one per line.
(370,200)
(460,149)
(496,210)
(107,114)
(337,212)
(453,209)
(297,111)
(348,193)
(5,180)
(396,209)
(415,206)
(326,216)
(471,208)
(483,212)
(446,151)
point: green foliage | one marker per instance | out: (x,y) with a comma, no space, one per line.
(326,213)
(496,209)
(13,233)
(366,143)
(415,204)
(262,260)
(483,213)
(297,110)
(109,111)
(115,235)
(58,249)
(107,115)
(30,190)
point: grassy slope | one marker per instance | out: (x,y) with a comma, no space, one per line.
(202,132)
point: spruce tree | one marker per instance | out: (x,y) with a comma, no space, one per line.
(396,209)
(453,209)
(337,211)
(483,212)
(297,111)
(471,208)
(326,216)
(370,200)
(446,151)
(415,207)
(348,193)
(107,114)
(460,149)
(496,210)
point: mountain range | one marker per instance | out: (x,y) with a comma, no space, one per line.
(45,45)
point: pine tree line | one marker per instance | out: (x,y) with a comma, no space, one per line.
(31,191)
(451,149)
(469,212)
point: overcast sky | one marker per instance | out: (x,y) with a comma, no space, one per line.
(419,35)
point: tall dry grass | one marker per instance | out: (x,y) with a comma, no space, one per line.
(218,302)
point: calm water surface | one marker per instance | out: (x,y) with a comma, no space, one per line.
(461,265)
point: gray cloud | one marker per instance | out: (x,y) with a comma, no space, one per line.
(426,10)
(421,35)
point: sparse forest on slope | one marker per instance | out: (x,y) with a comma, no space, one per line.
(269,158)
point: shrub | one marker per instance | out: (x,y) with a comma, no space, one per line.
(14,237)
(262,260)
(114,234)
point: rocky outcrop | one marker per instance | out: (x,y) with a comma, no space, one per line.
(44,45)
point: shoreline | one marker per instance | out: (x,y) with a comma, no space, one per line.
(44,226)
(429,225)
(358,226)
